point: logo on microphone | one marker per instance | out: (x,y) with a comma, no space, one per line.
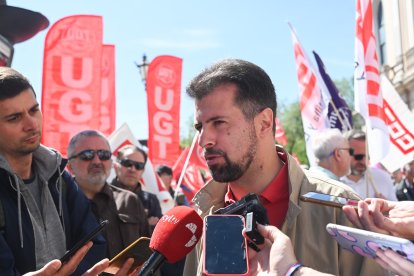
(170,218)
(192,227)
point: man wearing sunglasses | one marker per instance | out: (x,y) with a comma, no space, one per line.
(90,162)
(129,167)
(43,212)
(333,154)
(366,181)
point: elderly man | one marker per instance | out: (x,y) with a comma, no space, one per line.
(90,162)
(333,154)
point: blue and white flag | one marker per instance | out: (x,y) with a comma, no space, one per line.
(339,114)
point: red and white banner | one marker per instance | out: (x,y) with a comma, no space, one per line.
(71,79)
(108,99)
(400,122)
(280,135)
(164,96)
(368,98)
(314,96)
(186,169)
(123,136)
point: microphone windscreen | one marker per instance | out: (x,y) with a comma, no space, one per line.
(177,233)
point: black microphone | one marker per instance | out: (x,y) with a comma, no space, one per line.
(181,226)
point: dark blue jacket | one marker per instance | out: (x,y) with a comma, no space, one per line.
(77,220)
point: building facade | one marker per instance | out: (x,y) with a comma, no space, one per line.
(394,27)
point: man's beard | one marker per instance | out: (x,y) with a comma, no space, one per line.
(98,178)
(356,172)
(231,171)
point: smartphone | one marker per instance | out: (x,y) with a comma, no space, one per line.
(328,200)
(225,250)
(83,241)
(364,242)
(139,250)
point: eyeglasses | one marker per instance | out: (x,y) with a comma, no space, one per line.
(351,151)
(88,155)
(359,157)
(129,163)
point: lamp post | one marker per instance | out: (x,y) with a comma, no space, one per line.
(143,68)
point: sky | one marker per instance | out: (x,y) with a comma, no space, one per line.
(201,32)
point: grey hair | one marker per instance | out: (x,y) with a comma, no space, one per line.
(85,133)
(325,142)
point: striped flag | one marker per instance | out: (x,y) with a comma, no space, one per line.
(368,97)
(314,97)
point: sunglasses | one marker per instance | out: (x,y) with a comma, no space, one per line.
(359,157)
(88,155)
(129,163)
(351,151)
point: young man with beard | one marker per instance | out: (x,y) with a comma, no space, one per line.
(367,182)
(44,213)
(90,162)
(235,107)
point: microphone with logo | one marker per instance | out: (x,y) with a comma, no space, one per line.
(174,236)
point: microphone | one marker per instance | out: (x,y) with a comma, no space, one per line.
(174,236)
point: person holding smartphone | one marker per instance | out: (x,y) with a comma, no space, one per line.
(235,109)
(387,217)
(43,211)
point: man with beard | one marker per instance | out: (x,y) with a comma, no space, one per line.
(90,162)
(235,107)
(367,182)
(42,212)
(332,152)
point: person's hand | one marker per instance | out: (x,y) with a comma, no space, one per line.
(104,264)
(56,268)
(276,254)
(394,262)
(388,217)
(153,220)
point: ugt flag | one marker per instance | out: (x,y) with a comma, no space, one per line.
(71,92)
(314,97)
(339,114)
(368,98)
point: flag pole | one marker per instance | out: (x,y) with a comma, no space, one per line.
(348,125)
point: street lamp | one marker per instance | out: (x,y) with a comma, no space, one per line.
(143,68)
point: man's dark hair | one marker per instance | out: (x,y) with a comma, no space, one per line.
(255,89)
(164,169)
(121,152)
(12,83)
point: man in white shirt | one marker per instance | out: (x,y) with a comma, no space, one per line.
(366,181)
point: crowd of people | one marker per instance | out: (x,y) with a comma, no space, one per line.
(48,203)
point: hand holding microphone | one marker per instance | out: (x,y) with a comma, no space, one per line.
(174,236)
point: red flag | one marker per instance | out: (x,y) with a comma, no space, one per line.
(163,95)
(280,135)
(368,97)
(71,79)
(108,106)
(187,169)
